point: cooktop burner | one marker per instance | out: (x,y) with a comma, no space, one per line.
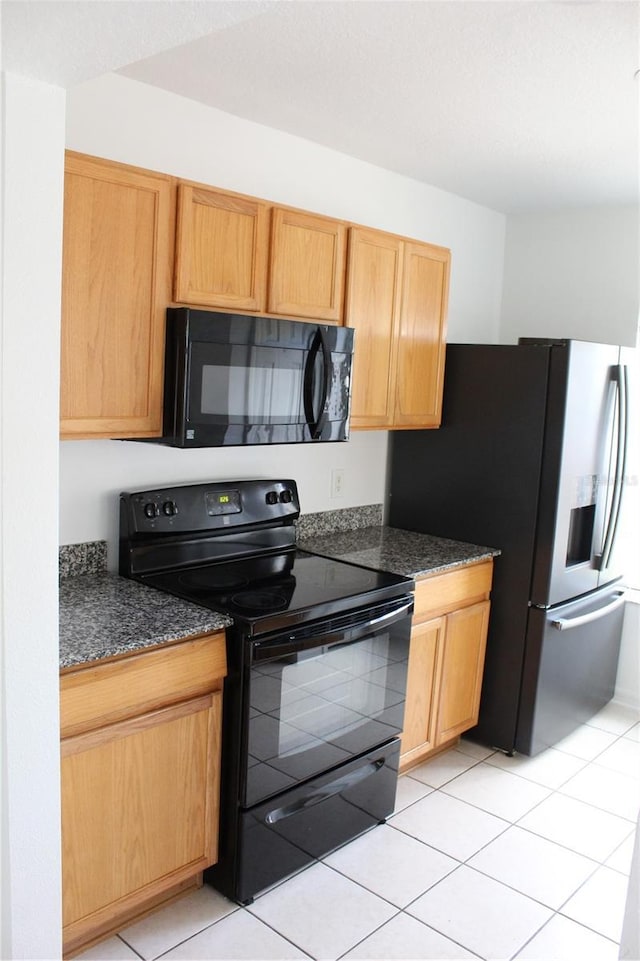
(260,601)
(212,579)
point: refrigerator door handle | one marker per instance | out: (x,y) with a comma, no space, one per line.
(568,623)
(622,384)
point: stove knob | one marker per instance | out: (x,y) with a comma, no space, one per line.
(169,508)
(272,497)
(286,496)
(151,510)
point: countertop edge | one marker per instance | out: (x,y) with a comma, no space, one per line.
(108,656)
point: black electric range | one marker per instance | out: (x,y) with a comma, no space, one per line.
(317,657)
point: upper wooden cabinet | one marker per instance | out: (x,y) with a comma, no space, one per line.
(116,283)
(221,249)
(421,338)
(397,294)
(372,308)
(308,256)
(227,257)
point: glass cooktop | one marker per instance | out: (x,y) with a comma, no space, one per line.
(280,589)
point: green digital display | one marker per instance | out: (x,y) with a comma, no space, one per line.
(223,502)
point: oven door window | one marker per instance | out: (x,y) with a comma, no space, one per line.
(315,709)
(248,384)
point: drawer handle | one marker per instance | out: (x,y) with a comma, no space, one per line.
(321,794)
(568,623)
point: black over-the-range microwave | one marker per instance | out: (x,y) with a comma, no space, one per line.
(232,379)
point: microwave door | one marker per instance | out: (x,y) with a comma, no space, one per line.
(269,387)
(245,384)
(317,379)
(233,380)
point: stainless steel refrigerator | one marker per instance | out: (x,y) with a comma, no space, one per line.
(530,458)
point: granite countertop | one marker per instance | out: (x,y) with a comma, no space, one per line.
(398,551)
(104,615)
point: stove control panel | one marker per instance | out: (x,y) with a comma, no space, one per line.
(208,507)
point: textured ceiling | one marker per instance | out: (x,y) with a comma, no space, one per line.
(65,42)
(516,105)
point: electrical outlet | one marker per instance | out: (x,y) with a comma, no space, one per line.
(337,482)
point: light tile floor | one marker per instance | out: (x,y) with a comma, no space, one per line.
(486,856)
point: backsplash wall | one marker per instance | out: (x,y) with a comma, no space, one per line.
(92,474)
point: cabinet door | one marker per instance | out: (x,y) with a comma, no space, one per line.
(372,307)
(421,343)
(139,810)
(116,283)
(221,249)
(418,736)
(462,667)
(308,260)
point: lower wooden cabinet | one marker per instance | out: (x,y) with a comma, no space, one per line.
(419,735)
(140,796)
(465,640)
(446,659)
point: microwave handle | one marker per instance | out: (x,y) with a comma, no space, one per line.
(319,343)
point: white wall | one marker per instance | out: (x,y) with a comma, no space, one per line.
(92,473)
(134,123)
(33,140)
(627,690)
(572,273)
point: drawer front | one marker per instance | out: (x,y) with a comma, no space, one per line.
(446,592)
(91,697)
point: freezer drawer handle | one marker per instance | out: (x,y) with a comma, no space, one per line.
(567,623)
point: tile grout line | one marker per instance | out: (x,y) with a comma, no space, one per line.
(508,824)
(597,864)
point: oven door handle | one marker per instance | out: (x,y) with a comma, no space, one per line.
(392,615)
(324,793)
(288,644)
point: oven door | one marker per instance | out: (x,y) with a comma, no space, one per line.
(321,695)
